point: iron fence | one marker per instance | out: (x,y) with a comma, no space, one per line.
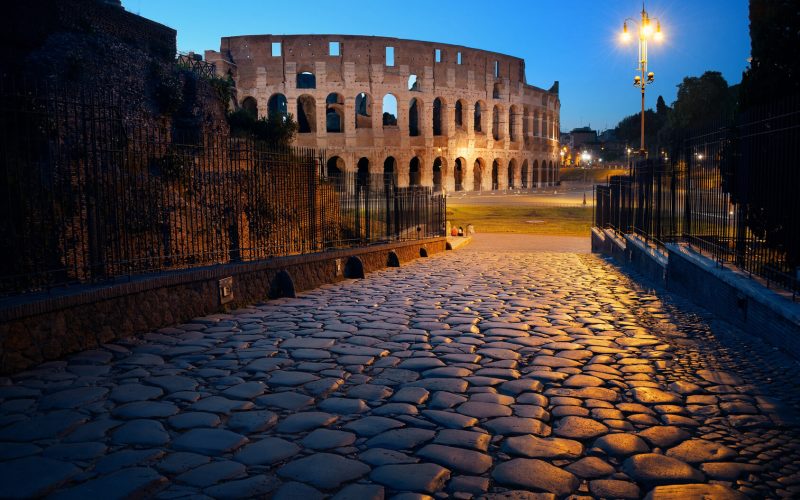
(90,194)
(732,193)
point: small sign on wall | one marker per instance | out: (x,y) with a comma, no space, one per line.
(226,290)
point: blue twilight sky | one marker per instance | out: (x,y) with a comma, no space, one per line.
(572,41)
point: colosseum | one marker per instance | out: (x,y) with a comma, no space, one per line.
(430,114)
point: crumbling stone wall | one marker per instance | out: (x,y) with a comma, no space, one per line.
(520,142)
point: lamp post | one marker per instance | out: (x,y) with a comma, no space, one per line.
(646,32)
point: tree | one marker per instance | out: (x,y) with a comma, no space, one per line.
(774,71)
(277,129)
(764,167)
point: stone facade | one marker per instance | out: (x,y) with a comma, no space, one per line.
(465,119)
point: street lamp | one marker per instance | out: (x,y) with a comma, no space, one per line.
(646,32)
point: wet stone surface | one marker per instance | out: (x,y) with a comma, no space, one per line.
(468,375)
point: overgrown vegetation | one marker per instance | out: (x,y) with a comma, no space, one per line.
(277,128)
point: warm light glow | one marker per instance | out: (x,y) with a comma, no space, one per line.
(586,156)
(659,36)
(624,37)
(647,30)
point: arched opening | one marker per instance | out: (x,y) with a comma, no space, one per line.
(458,174)
(306,80)
(495,174)
(496,123)
(437,116)
(414,172)
(496,90)
(389,171)
(536,123)
(460,123)
(413,83)
(552,174)
(363,110)
(526,116)
(525,174)
(362,177)
(536,173)
(306,114)
(335,167)
(477,175)
(511,174)
(389,111)
(438,166)
(512,120)
(250,106)
(413,117)
(277,105)
(478,118)
(334,113)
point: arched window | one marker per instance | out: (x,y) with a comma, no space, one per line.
(389,111)
(362,177)
(495,174)
(413,83)
(250,106)
(510,174)
(389,171)
(512,120)
(335,167)
(458,174)
(459,114)
(478,118)
(277,105)
(414,172)
(363,110)
(413,117)
(306,114)
(306,80)
(525,174)
(438,166)
(437,116)
(526,116)
(496,123)
(334,113)
(477,175)
(498,88)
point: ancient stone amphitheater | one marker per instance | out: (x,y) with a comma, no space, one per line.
(427,113)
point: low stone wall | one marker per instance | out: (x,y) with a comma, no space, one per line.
(723,291)
(38,329)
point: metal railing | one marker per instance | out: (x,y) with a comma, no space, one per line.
(91,195)
(731,193)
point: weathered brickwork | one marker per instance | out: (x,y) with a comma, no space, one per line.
(436,139)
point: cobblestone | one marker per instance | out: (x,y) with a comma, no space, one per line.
(504,375)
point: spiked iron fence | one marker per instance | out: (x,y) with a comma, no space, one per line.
(89,195)
(731,193)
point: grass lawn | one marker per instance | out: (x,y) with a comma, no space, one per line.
(564,221)
(592,175)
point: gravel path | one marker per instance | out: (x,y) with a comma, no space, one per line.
(473,374)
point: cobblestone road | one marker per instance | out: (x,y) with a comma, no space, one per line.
(509,375)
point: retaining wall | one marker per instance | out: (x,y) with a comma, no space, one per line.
(34,329)
(724,291)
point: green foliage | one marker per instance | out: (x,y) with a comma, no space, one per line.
(628,130)
(277,128)
(167,88)
(774,71)
(223,87)
(174,166)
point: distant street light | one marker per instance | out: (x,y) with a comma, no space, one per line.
(646,32)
